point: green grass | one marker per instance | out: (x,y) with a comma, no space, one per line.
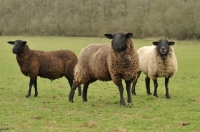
(51,111)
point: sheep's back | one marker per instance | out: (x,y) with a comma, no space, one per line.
(93,63)
(145,57)
(56,64)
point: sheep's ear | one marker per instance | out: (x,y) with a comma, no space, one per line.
(24,42)
(129,35)
(11,42)
(109,36)
(171,43)
(155,43)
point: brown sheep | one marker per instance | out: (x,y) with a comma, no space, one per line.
(107,62)
(51,65)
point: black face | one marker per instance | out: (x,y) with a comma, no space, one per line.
(163,46)
(18,46)
(119,40)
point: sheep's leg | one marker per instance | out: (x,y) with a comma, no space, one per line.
(155,87)
(35,86)
(128,87)
(134,83)
(70,81)
(31,82)
(85,88)
(147,81)
(79,90)
(166,87)
(121,90)
(133,87)
(71,94)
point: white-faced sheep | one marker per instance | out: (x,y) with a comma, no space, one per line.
(51,65)
(158,60)
(107,62)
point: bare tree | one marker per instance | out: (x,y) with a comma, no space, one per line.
(145,18)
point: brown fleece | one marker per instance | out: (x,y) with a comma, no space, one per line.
(51,65)
(101,62)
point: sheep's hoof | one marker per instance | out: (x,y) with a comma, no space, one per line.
(134,94)
(79,94)
(71,100)
(168,97)
(27,96)
(149,93)
(155,95)
(35,95)
(130,104)
(84,100)
(122,106)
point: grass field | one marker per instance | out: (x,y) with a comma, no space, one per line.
(52,112)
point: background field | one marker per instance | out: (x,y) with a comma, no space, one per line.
(51,111)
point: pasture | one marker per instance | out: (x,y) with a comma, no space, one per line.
(51,111)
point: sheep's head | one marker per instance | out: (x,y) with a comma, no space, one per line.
(163,46)
(119,40)
(18,46)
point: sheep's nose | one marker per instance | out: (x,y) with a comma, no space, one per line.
(14,51)
(163,50)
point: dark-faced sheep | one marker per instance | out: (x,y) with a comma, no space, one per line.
(107,62)
(51,65)
(158,60)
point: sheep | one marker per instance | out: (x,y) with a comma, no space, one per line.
(51,65)
(107,62)
(158,60)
